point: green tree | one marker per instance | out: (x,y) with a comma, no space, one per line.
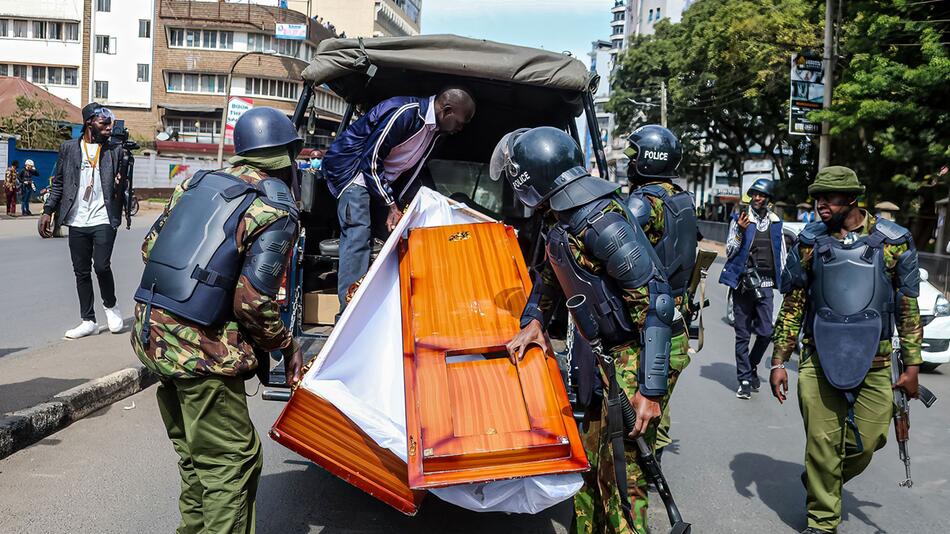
(727,67)
(37,123)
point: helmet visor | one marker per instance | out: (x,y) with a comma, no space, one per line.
(501,162)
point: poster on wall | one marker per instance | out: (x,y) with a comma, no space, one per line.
(292,31)
(178,173)
(806,93)
(237,106)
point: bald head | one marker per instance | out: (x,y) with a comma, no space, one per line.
(454,108)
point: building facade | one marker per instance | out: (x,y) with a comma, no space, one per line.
(119,51)
(41,42)
(642,15)
(366,18)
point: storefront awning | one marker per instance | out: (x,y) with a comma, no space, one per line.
(191,108)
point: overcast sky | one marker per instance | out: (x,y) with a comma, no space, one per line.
(555,25)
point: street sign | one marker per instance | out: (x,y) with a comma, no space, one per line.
(292,31)
(806,93)
(237,106)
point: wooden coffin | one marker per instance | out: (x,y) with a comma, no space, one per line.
(473,416)
(318,431)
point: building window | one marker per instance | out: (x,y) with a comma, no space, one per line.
(39,29)
(658,16)
(145,28)
(176,37)
(19,71)
(650,16)
(3,70)
(258,42)
(288,47)
(4,27)
(209,39)
(102,90)
(54,75)
(268,87)
(181,82)
(20,28)
(142,73)
(193,38)
(70,76)
(55,31)
(194,129)
(226,40)
(105,45)
(104,5)
(72,31)
(39,74)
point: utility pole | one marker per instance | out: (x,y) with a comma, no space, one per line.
(663,103)
(824,142)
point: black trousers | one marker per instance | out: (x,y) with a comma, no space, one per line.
(91,248)
(752,317)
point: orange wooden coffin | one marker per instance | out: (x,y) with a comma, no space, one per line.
(318,431)
(472,415)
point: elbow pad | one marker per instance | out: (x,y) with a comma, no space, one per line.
(657,336)
(268,257)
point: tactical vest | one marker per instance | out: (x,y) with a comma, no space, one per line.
(677,248)
(760,254)
(603,296)
(851,305)
(194,264)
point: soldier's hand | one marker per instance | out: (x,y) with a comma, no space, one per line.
(648,411)
(294,365)
(393,218)
(44,226)
(532,334)
(908,381)
(778,379)
(743,220)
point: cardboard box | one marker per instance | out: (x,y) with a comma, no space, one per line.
(320,307)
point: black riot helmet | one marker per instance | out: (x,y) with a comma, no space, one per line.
(537,162)
(764,186)
(654,151)
(265,128)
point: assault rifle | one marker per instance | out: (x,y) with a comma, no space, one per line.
(619,407)
(902,413)
(697,281)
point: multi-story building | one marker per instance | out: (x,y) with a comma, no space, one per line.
(40,41)
(642,15)
(602,56)
(366,18)
(117,55)
(196,44)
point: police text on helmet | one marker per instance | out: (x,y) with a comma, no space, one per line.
(651,154)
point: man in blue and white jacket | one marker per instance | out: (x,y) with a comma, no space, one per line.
(362,164)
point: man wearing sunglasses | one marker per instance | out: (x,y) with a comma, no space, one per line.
(85,191)
(850,284)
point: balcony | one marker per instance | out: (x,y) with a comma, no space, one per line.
(619,5)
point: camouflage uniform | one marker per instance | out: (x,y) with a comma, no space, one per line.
(202,396)
(679,353)
(830,453)
(597,506)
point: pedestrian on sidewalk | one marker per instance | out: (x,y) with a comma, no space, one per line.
(83,190)
(845,393)
(27,187)
(11,184)
(201,324)
(755,256)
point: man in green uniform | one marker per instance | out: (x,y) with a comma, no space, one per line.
(850,282)
(595,249)
(667,216)
(207,316)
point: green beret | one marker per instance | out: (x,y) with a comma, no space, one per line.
(836,179)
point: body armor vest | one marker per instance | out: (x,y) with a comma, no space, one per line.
(677,248)
(761,257)
(851,306)
(194,264)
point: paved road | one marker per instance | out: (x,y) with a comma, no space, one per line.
(735,469)
(39,289)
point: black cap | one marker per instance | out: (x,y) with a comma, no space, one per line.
(89,110)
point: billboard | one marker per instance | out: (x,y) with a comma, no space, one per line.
(292,31)
(806,93)
(237,106)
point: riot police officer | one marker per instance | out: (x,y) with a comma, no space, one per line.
(850,282)
(755,250)
(595,249)
(206,312)
(667,215)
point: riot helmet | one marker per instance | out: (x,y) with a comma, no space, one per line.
(537,162)
(764,186)
(654,152)
(265,127)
